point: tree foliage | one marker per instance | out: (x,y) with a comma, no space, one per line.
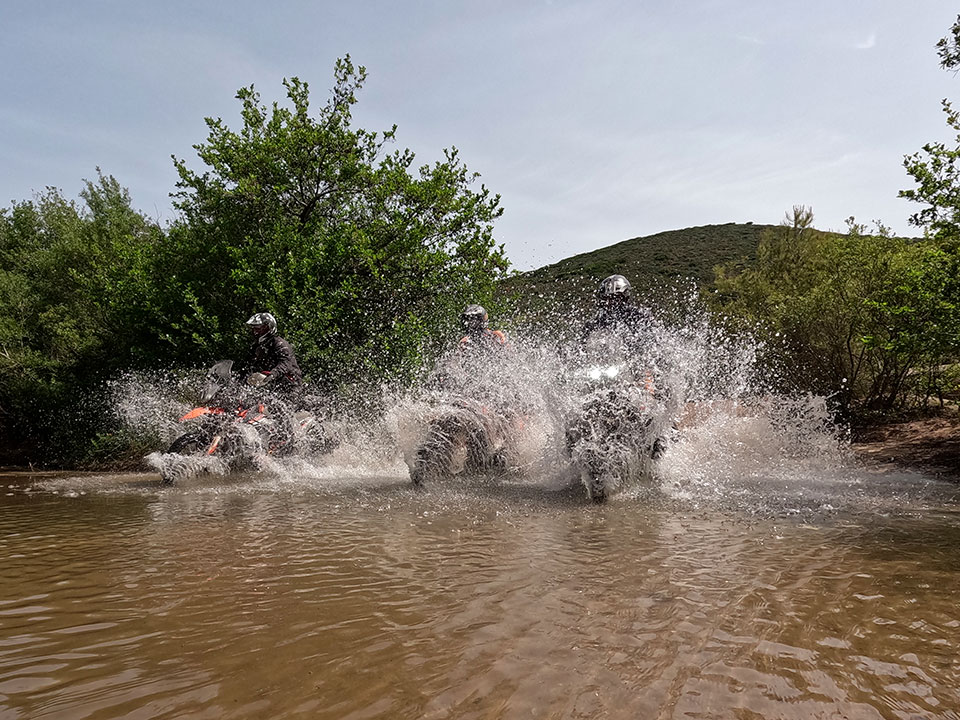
(937,174)
(870,319)
(66,315)
(935,168)
(362,258)
(948,48)
(365,259)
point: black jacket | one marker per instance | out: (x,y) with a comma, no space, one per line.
(631,320)
(275,355)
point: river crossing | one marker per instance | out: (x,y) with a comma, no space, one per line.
(830,592)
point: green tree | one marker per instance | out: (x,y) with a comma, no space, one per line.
(937,175)
(948,48)
(935,168)
(364,260)
(67,306)
(867,318)
(936,172)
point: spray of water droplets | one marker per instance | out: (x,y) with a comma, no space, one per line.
(721,419)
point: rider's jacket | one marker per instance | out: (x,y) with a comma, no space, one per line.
(482,368)
(631,320)
(474,365)
(274,355)
(485,342)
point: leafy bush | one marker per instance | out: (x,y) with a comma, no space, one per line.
(867,318)
(365,261)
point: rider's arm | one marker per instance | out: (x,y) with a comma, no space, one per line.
(284,359)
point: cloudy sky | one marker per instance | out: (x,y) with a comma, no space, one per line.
(595,121)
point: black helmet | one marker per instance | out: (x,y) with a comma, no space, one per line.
(614,289)
(473,319)
(262,324)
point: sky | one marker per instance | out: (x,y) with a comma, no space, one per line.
(595,121)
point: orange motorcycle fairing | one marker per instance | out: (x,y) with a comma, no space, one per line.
(198,411)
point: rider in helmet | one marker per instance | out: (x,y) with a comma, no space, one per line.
(476,354)
(272,355)
(615,309)
(480,370)
(618,315)
(477,335)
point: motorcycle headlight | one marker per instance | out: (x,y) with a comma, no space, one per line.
(601,372)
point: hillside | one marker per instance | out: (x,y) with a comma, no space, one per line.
(648,262)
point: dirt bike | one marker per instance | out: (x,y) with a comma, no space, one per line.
(613,434)
(234,425)
(468,437)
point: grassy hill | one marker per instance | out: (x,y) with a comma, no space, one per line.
(648,262)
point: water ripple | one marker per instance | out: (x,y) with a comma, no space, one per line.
(218,601)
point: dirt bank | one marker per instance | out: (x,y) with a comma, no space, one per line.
(931,445)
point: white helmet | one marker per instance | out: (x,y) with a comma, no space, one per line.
(262,325)
(473,319)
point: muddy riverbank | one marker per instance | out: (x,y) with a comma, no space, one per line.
(930,445)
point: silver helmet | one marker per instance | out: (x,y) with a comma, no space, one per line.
(473,319)
(613,289)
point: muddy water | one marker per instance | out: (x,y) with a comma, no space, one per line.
(292,597)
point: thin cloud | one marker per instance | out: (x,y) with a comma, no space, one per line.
(870,42)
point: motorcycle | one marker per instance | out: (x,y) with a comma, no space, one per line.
(233,425)
(468,437)
(613,433)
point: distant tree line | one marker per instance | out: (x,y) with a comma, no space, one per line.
(365,259)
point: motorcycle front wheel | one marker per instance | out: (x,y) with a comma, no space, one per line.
(187,444)
(435,457)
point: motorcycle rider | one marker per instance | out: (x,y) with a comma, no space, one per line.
(478,337)
(475,374)
(271,355)
(618,316)
(470,367)
(615,310)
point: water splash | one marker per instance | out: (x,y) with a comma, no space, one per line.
(497,405)
(721,415)
(723,418)
(152,403)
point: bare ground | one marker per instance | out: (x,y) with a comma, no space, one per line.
(930,444)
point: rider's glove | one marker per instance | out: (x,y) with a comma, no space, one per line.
(258,379)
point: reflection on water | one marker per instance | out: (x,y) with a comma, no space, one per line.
(798,597)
